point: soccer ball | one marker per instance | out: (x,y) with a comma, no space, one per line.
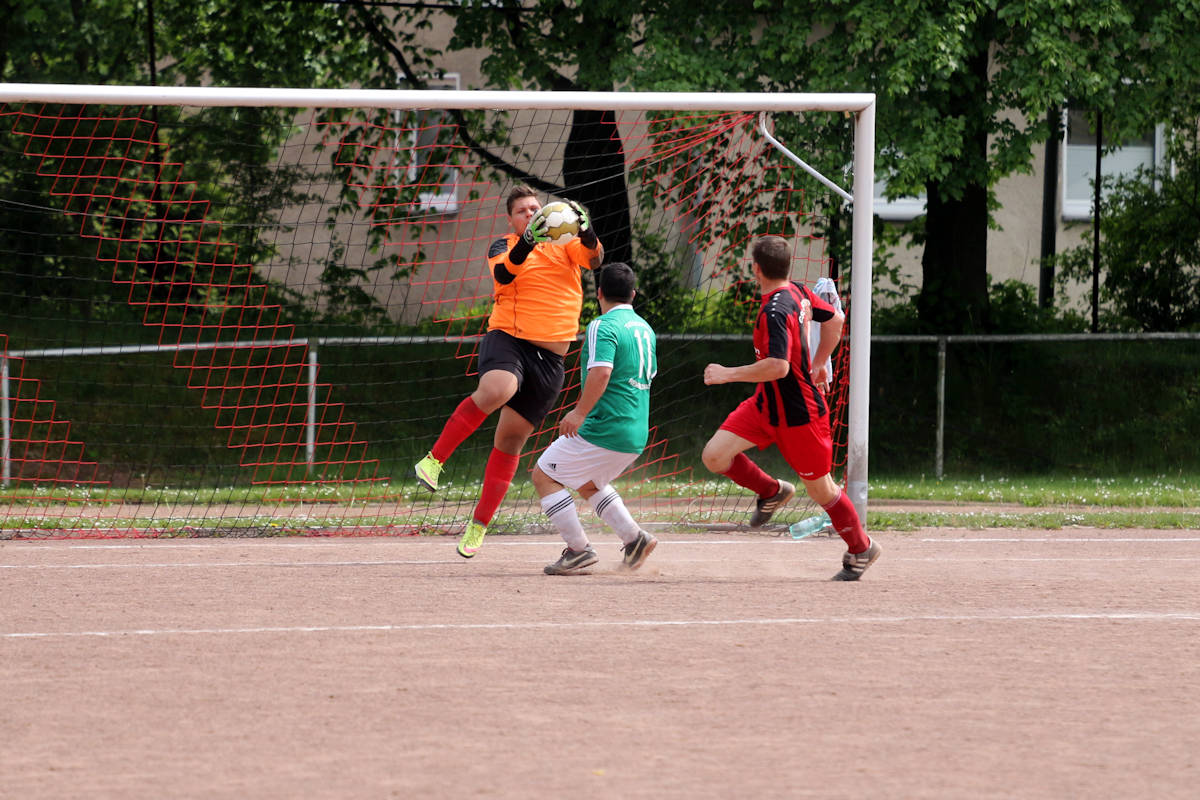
(562,223)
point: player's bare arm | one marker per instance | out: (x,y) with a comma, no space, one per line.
(831,334)
(768,369)
(596,260)
(593,389)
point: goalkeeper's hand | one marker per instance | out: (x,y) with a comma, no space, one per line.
(586,234)
(536,231)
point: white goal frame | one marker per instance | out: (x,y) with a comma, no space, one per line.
(861,105)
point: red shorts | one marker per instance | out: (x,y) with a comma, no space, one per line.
(808,449)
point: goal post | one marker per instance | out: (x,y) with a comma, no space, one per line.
(390,195)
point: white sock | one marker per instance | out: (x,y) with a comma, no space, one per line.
(609,507)
(560,508)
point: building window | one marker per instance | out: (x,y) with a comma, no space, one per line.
(429,130)
(1079,160)
(899,210)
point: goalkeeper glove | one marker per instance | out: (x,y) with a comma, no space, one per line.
(535,233)
(586,235)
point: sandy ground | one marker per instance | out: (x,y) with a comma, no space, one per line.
(982,664)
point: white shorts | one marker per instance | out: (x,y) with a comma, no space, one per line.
(573,461)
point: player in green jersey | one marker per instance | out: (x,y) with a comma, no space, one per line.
(606,430)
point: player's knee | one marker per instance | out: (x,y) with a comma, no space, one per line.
(542,482)
(822,490)
(488,399)
(715,460)
(496,387)
(510,442)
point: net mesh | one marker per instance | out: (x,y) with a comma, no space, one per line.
(241,320)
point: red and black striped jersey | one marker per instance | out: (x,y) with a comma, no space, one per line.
(781,331)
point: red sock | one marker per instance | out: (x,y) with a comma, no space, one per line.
(747,474)
(497,477)
(462,423)
(845,521)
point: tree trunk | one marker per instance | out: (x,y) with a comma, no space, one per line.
(594,155)
(594,174)
(954,295)
(954,291)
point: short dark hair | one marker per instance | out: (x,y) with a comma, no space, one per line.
(617,282)
(773,256)
(519,191)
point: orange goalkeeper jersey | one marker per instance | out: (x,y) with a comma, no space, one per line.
(543,300)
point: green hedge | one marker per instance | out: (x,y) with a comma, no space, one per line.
(1092,408)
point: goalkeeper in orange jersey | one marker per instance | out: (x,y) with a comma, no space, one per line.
(535,319)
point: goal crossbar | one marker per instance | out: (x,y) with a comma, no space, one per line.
(431,98)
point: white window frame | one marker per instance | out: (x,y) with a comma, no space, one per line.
(1119,161)
(444,202)
(901,209)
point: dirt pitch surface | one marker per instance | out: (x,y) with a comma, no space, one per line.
(980,664)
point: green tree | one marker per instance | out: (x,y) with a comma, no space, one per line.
(269,43)
(54,42)
(963,88)
(1150,222)
(1150,248)
(595,46)
(553,46)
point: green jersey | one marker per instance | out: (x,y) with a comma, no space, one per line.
(622,340)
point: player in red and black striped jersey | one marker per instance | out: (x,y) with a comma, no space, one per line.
(788,407)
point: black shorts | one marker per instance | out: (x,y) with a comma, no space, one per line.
(539,373)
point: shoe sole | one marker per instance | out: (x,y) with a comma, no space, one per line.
(642,556)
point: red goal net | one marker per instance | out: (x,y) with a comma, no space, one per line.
(255,319)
